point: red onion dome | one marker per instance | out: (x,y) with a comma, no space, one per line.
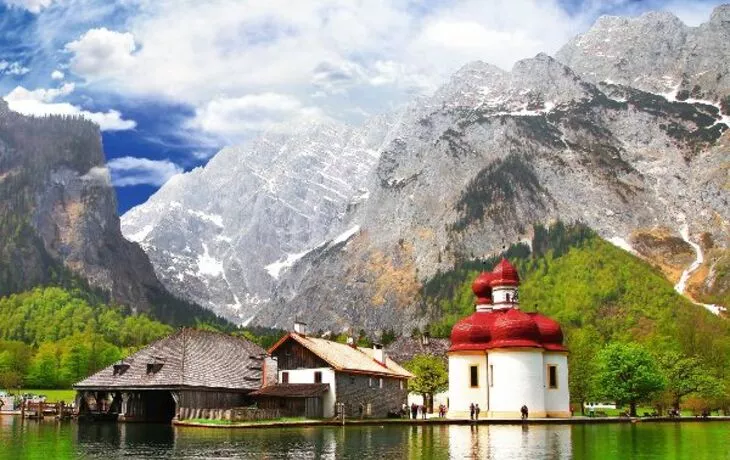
(515,328)
(472,332)
(550,332)
(482,288)
(504,274)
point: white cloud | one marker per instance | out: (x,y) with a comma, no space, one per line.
(40,102)
(255,112)
(127,171)
(12,68)
(221,56)
(57,75)
(101,53)
(34,6)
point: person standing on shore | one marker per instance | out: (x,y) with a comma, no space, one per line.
(414,411)
(476,412)
(524,412)
(471,411)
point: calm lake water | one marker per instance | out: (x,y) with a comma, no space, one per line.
(50,440)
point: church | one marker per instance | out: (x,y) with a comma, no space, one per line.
(502,358)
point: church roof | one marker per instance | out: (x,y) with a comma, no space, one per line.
(187,358)
(490,328)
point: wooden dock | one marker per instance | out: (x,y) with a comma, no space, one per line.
(40,410)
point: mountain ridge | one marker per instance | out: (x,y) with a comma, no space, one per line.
(493,153)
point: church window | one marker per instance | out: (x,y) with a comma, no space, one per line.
(370,382)
(284,377)
(381,382)
(318,377)
(491,375)
(552,376)
(474,376)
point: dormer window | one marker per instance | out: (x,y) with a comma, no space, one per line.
(120,368)
(155,364)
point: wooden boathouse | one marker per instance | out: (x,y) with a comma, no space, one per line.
(184,375)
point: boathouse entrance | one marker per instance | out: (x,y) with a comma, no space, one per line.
(137,406)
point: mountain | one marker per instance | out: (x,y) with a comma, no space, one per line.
(223,234)
(58,219)
(494,153)
(657,53)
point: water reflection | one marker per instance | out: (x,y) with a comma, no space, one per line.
(510,442)
(108,441)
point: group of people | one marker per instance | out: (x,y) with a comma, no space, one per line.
(420,410)
(417,410)
(474,411)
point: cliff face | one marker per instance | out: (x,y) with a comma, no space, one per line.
(58,217)
(223,234)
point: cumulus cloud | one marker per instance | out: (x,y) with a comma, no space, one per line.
(40,102)
(255,112)
(128,171)
(100,53)
(57,75)
(13,68)
(319,56)
(34,6)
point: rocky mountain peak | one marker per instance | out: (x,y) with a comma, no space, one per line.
(721,15)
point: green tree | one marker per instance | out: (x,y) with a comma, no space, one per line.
(431,376)
(584,345)
(628,374)
(44,371)
(687,375)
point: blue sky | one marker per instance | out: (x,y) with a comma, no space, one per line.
(172,81)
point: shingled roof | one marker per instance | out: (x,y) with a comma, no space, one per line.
(346,358)
(188,358)
(293,390)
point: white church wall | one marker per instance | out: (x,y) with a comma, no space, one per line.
(557,400)
(307,376)
(518,379)
(461,393)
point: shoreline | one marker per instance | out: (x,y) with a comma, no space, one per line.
(440,421)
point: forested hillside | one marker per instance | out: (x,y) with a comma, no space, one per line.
(51,338)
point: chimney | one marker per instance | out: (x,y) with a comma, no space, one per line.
(300,327)
(425,339)
(379,353)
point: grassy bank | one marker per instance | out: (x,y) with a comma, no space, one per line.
(66,396)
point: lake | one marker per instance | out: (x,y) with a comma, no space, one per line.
(50,440)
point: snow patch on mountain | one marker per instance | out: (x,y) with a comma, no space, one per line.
(209,266)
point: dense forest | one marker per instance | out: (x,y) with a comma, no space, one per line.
(52,337)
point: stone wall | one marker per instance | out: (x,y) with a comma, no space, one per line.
(236,414)
(356,389)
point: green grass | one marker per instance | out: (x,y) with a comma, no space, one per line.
(639,411)
(66,396)
(204,421)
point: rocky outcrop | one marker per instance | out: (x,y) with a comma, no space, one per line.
(657,53)
(58,218)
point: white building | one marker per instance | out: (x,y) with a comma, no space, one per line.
(318,377)
(502,358)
